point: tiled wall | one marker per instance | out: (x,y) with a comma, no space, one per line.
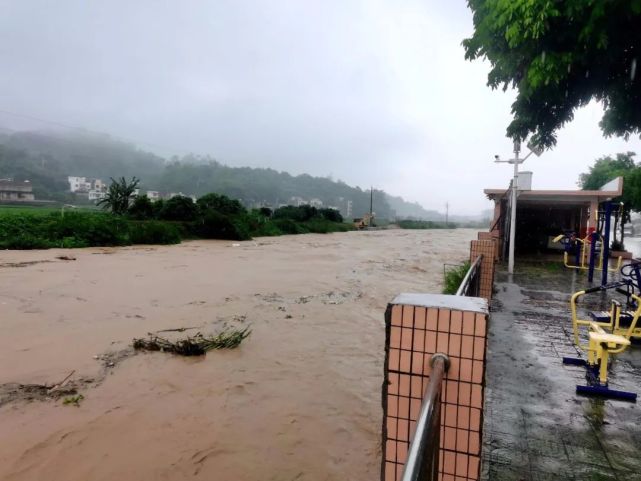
(493,236)
(417,326)
(487,249)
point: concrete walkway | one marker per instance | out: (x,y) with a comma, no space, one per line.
(536,427)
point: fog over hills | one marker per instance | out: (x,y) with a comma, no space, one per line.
(48,157)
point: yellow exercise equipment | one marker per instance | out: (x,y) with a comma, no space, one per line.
(608,333)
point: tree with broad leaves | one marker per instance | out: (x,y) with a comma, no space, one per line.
(119,195)
(559,55)
(608,168)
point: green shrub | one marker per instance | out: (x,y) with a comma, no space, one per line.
(142,208)
(25,241)
(331,215)
(301,213)
(153,232)
(214,225)
(288,226)
(453,278)
(220,203)
(265,212)
(89,229)
(179,208)
(266,229)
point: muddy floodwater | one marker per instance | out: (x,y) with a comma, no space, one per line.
(298,400)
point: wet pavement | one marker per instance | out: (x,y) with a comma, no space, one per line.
(536,427)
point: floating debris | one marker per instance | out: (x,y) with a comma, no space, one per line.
(197,345)
(73,400)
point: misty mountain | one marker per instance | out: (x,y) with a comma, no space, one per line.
(47,158)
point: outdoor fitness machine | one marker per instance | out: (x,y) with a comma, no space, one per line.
(608,333)
(593,251)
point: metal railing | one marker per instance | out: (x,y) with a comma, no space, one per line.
(470,284)
(423,456)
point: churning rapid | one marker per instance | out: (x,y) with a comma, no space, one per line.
(298,400)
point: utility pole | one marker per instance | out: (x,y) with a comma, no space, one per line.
(371,201)
(516,161)
(447,213)
(515,181)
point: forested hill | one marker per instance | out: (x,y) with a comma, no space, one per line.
(48,158)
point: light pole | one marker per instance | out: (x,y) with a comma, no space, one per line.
(516,161)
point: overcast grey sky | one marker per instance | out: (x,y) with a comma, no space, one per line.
(370,92)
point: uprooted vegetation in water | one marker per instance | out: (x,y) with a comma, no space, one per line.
(196,345)
(68,389)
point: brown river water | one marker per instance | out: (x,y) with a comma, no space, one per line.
(298,400)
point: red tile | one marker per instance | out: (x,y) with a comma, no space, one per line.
(419,341)
(450,393)
(456,322)
(477,372)
(405,362)
(468,323)
(474,468)
(390,471)
(444,320)
(467,347)
(449,439)
(465,373)
(417,390)
(479,348)
(415,408)
(477,396)
(461,464)
(463,417)
(464,393)
(432,319)
(462,440)
(395,337)
(418,363)
(403,430)
(392,383)
(408,316)
(403,407)
(404,385)
(481,325)
(442,342)
(450,415)
(401,452)
(455,368)
(475,419)
(390,450)
(394,359)
(430,342)
(391,427)
(397,315)
(455,345)
(420,314)
(449,462)
(406,338)
(475,443)
(392,405)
